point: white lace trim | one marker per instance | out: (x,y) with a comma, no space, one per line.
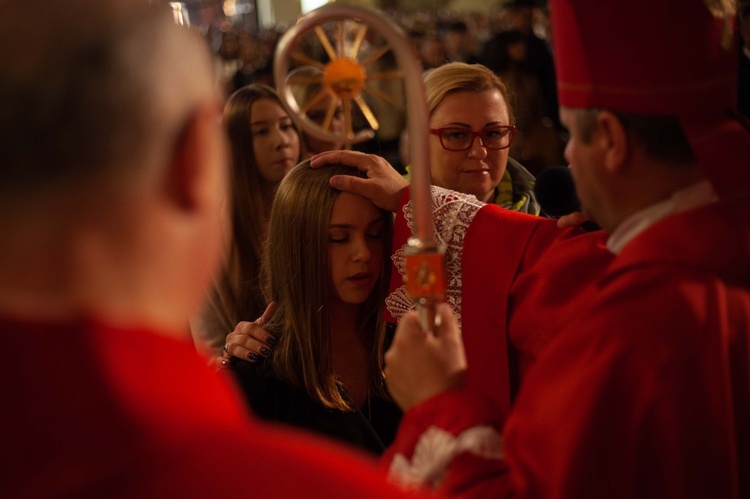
(435,451)
(452,213)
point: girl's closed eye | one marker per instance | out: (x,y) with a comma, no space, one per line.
(338,236)
(376,230)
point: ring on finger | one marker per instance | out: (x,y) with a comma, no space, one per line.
(260,321)
(226,346)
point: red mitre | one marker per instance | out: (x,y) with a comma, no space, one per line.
(664,57)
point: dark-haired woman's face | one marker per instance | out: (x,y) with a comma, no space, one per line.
(317,113)
(275,141)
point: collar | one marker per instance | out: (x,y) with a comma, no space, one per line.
(696,195)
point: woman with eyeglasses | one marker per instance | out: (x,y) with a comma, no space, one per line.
(471,128)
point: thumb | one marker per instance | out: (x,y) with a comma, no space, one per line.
(269,312)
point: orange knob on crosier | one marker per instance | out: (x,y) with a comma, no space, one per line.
(344,77)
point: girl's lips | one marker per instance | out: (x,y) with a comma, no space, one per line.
(360,275)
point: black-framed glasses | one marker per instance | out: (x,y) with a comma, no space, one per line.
(461,139)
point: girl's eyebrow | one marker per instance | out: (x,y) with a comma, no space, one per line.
(266,122)
(374,221)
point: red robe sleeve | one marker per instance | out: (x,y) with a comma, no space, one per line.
(511,276)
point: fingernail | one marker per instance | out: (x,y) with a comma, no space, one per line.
(253,356)
(265,351)
(271,341)
(335,182)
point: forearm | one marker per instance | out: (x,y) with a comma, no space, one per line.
(451,444)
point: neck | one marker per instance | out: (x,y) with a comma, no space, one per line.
(350,355)
(344,326)
(55,270)
(489,198)
(660,184)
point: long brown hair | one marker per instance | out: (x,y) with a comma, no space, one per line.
(237,295)
(295,275)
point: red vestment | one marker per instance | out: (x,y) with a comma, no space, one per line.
(512,276)
(644,392)
(92,410)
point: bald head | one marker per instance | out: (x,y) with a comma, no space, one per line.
(92,89)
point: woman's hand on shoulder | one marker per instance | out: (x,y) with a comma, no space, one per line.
(250,340)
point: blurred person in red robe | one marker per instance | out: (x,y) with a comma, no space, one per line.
(112,190)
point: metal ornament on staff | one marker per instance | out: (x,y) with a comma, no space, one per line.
(345,78)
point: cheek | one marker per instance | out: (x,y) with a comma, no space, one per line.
(335,255)
(377,250)
(260,146)
(294,143)
(440,163)
(337,123)
(498,162)
(569,151)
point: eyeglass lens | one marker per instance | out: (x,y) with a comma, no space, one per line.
(492,138)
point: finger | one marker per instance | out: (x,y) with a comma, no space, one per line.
(348,183)
(250,346)
(252,354)
(251,330)
(269,311)
(448,325)
(409,331)
(571,220)
(221,362)
(354,159)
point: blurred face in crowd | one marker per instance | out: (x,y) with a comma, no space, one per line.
(477,170)
(317,113)
(275,141)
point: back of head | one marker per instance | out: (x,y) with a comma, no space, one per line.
(461,77)
(685,68)
(91,89)
(112,162)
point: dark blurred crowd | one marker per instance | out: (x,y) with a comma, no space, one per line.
(513,41)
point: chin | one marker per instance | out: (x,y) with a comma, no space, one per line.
(481,194)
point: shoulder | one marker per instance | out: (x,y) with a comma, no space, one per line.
(319,468)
